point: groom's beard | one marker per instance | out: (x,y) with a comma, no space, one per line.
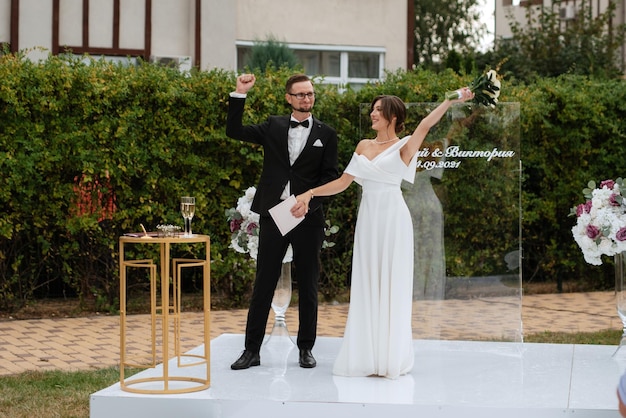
(303,108)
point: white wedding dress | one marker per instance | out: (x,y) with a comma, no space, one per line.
(378,337)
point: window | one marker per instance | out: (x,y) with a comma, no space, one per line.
(338,65)
(320,62)
(362,65)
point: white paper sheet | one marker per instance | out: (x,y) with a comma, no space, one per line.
(281,213)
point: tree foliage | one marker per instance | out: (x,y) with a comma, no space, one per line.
(444,26)
(548,46)
(272,53)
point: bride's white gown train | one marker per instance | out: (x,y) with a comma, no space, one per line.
(378,337)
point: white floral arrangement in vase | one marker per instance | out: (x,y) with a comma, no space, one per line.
(601,221)
(244,227)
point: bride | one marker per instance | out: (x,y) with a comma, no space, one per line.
(378,339)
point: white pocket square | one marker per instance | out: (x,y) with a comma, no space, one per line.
(318,143)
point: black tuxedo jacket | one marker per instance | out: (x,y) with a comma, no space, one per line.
(316,165)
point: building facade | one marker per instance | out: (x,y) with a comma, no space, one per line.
(346,41)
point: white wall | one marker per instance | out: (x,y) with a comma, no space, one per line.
(132,18)
(172,27)
(5,20)
(218,35)
(36,26)
(70,22)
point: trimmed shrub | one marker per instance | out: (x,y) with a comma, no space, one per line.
(91,150)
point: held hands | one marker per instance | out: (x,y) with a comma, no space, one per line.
(301,208)
(245,83)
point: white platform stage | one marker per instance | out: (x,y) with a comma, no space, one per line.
(450,379)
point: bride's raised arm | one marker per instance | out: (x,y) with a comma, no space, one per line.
(415,142)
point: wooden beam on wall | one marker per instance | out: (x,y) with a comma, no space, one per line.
(197,34)
(14,37)
(148,31)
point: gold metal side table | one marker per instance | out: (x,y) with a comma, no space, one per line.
(169,309)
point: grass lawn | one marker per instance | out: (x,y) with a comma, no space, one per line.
(52,394)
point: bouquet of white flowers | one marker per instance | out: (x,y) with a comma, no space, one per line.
(486,89)
(244,226)
(601,221)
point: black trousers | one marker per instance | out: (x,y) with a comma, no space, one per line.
(306,241)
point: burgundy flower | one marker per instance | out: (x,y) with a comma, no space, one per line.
(608,183)
(251,228)
(613,201)
(235,224)
(621,234)
(588,206)
(593,231)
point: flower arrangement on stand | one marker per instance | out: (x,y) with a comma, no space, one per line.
(601,230)
(244,227)
(486,89)
(601,221)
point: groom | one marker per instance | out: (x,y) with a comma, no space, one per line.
(300,152)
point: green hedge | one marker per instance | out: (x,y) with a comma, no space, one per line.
(159,134)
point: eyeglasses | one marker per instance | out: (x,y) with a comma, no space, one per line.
(301,96)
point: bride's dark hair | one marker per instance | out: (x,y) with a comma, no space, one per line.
(391,106)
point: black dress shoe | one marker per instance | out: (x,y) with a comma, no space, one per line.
(306,359)
(246,360)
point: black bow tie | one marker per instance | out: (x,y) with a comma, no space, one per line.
(294,123)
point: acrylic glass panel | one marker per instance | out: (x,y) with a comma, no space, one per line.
(466,212)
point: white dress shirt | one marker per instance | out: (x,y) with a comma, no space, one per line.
(296,141)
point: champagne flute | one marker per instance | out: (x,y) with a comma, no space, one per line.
(188,209)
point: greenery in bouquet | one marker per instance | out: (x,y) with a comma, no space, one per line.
(601,221)
(486,89)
